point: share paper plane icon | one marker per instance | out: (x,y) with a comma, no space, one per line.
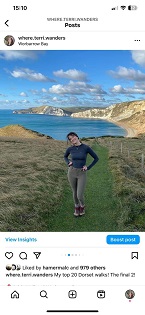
(37,254)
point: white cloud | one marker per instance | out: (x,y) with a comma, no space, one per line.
(4,102)
(28,74)
(44,90)
(72,101)
(118,89)
(42,101)
(35,92)
(139,57)
(17,54)
(128,74)
(77,88)
(25,102)
(71,74)
(14,102)
(23,94)
(100,98)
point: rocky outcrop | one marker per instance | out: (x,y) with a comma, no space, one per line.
(44,110)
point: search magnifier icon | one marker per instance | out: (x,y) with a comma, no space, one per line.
(43,293)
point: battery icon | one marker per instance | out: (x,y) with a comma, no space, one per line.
(132,7)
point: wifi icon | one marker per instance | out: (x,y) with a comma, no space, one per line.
(123,7)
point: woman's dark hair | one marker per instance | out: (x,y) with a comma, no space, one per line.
(72,134)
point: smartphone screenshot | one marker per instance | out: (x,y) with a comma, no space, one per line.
(72,137)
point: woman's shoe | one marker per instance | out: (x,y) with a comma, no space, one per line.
(82,210)
(77,211)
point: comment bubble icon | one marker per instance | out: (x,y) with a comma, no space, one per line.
(23,255)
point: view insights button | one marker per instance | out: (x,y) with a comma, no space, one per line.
(123,239)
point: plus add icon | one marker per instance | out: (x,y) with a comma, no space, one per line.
(72,294)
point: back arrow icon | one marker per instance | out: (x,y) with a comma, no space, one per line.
(7,22)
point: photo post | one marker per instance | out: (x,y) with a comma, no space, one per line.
(98,96)
(72,137)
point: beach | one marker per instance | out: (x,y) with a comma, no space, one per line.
(131,132)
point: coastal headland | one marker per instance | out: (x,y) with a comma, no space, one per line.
(128,115)
(19,131)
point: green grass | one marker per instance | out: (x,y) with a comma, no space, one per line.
(102,208)
(31,182)
(129,180)
(36,196)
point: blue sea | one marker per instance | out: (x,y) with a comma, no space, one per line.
(58,127)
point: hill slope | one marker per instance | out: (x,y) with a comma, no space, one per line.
(20,132)
(127,114)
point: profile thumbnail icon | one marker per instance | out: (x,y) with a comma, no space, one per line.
(130,294)
(9,40)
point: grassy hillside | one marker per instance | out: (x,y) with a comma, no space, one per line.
(35,194)
(19,131)
(32,180)
(126,160)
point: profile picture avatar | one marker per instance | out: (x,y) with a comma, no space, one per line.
(9,40)
(129,294)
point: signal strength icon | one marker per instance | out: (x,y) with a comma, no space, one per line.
(115,8)
(123,7)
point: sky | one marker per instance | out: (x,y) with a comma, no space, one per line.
(82,78)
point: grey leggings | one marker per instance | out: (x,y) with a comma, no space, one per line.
(77,179)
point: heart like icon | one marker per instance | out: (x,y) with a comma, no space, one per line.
(9,255)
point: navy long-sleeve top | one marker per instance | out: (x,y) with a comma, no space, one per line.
(79,155)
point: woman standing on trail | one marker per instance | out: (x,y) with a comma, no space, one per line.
(78,170)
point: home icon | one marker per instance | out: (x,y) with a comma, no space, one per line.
(14,295)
